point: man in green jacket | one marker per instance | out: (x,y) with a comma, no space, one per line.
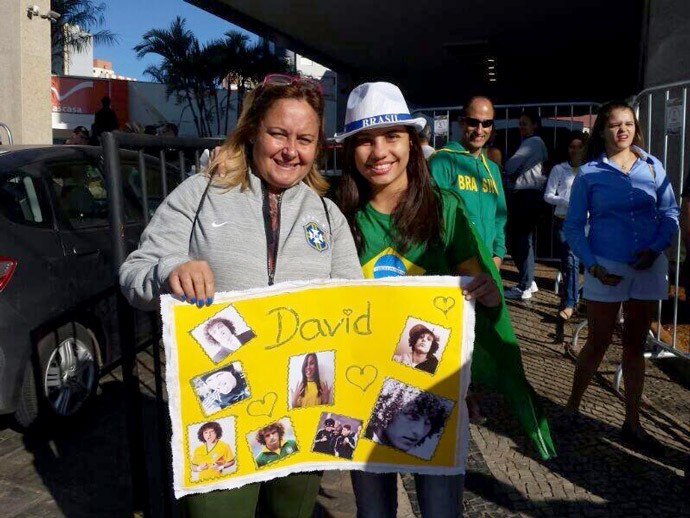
(464,168)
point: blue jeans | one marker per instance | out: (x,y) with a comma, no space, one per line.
(570,269)
(524,212)
(377,495)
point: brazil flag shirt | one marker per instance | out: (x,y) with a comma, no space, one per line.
(496,359)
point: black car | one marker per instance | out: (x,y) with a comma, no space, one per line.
(58,318)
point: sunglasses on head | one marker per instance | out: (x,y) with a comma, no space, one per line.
(287,79)
(475,123)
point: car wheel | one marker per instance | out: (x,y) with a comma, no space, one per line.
(68,370)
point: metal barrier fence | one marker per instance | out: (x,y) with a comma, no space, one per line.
(183,153)
(663,112)
(7,130)
(558,119)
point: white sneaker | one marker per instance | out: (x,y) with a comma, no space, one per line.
(517,293)
(533,288)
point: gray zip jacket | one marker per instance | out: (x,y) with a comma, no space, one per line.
(231,234)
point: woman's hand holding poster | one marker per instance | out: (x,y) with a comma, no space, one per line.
(335,375)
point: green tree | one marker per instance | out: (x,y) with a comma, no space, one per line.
(77,26)
(194,73)
(243,65)
(178,48)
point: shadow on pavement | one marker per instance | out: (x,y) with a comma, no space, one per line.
(85,465)
(592,460)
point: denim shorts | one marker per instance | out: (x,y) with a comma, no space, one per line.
(649,284)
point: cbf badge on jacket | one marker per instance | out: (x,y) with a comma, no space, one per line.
(316,237)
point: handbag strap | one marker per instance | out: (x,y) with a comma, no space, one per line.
(198,210)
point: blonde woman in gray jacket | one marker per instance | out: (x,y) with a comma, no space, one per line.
(257,218)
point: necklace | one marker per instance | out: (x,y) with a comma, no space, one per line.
(627,164)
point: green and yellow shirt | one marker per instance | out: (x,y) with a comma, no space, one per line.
(477,180)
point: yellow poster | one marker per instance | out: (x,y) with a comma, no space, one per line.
(366,375)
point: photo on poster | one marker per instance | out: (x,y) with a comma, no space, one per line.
(421,345)
(220,388)
(310,379)
(222,334)
(336,435)
(408,419)
(272,442)
(211,449)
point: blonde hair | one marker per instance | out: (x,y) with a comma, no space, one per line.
(235,154)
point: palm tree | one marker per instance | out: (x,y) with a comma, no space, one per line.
(243,65)
(76,29)
(230,56)
(194,72)
(177,46)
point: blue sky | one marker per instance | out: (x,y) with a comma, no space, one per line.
(130,19)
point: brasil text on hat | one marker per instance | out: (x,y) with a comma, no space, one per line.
(376,105)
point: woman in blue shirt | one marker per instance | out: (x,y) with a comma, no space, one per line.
(625,196)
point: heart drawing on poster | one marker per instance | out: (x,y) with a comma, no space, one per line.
(263,406)
(361,377)
(444,304)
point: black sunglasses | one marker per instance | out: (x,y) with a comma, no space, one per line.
(475,123)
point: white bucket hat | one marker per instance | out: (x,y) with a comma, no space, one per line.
(377,105)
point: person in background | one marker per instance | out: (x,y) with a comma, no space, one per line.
(169,129)
(79,137)
(265,183)
(623,193)
(493,152)
(463,168)
(424,140)
(105,119)
(557,193)
(525,172)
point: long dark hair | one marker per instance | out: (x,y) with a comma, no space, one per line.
(596,145)
(420,330)
(317,376)
(417,219)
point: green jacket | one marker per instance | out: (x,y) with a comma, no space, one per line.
(478,182)
(266,456)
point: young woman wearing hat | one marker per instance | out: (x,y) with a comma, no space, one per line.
(242,226)
(402,225)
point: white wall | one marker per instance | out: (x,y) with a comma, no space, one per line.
(25,72)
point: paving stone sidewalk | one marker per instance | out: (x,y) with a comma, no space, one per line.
(594,474)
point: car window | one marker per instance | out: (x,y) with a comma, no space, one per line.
(20,199)
(80,192)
